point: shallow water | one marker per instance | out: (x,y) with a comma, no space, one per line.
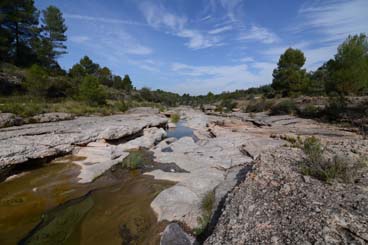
(48,206)
(180,131)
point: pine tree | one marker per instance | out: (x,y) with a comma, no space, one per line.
(289,76)
(349,70)
(53,34)
(18,26)
(127,83)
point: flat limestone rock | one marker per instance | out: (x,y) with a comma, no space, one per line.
(52,117)
(37,141)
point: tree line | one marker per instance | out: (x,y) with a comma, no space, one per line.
(33,40)
(345,74)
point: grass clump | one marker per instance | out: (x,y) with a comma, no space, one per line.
(338,168)
(207,205)
(294,141)
(134,160)
(285,107)
(23,107)
(175,118)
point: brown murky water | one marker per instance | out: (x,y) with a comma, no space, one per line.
(48,206)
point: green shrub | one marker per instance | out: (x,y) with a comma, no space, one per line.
(206,206)
(340,168)
(92,91)
(258,105)
(175,118)
(24,108)
(335,108)
(312,147)
(121,106)
(37,81)
(228,105)
(283,108)
(309,111)
(134,160)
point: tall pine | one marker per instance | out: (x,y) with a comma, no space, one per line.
(18,27)
(53,35)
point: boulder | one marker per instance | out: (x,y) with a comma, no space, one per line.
(175,235)
(10,119)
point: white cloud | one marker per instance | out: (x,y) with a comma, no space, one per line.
(258,33)
(101,19)
(79,39)
(220,30)
(336,19)
(231,8)
(160,18)
(222,78)
(147,64)
(246,59)
(197,40)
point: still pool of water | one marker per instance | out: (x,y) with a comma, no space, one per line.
(48,206)
(180,131)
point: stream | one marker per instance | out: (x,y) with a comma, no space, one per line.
(47,205)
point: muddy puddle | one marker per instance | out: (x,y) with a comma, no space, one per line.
(48,206)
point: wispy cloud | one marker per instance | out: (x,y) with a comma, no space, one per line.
(160,18)
(101,19)
(258,33)
(231,8)
(119,41)
(147,64)
(335,19)
(79,39)
(221,29)
(222,78)
(246,59)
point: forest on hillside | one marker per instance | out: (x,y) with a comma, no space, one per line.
(33,40)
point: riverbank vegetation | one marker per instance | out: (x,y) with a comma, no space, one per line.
(33,82)
(336,168)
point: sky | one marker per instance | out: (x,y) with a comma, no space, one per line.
(197,46)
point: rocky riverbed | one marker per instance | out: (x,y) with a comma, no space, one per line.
(244,164)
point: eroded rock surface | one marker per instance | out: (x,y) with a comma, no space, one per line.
(51,117)
(97,157)
(277,205)
(39,141)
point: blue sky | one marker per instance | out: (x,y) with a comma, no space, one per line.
(196,46)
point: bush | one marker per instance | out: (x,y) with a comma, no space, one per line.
(60,87)
(258,105)
(121,106)
(91,91)
(309,111)
(24,109)
(37,81)
(312,147)
(228,105)
(335,108)
(339,168)
(206,205)
(175,118)
(283,108)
